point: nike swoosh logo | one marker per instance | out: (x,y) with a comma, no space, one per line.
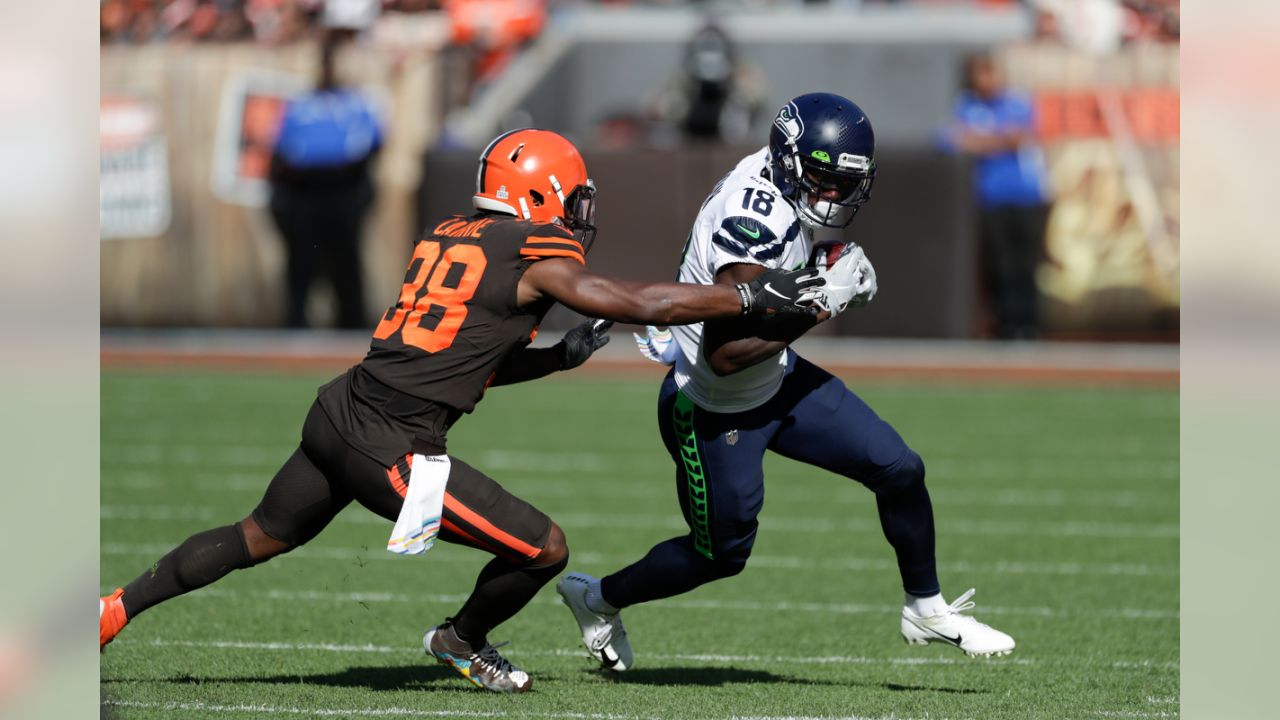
(769,289)
(606,660)
(954,640)
(754,235)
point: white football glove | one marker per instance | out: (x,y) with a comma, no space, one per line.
(657,345)
(851,280)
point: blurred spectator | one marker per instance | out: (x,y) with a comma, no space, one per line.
(1102,26)
(1152,20)
(321,189)
(1046,27)
(488,34)
(1093,25)
(714,95)
(268,21)
(994,125)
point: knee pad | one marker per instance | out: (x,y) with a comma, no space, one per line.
(905,473)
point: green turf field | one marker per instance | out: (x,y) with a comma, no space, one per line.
(1059,505)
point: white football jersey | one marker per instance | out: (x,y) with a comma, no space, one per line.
(744,220)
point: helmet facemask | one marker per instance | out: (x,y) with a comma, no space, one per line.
(829,195)
(580,213)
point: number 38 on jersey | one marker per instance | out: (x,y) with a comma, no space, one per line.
(436,279)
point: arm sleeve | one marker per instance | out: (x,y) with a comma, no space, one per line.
(526,364)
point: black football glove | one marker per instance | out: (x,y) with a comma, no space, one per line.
(782,291)
(581,341)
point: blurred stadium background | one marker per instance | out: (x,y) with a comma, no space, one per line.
(192,94)
(1072,435)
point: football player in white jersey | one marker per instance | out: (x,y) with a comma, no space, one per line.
(737,390)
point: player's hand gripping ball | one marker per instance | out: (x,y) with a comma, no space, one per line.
(851,280)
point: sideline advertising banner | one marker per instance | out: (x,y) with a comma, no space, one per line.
(134,170)
(1109,126)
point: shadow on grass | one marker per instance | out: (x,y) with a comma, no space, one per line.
(408,677)
(704,676)
(439,678)
(925,688)
(716,676)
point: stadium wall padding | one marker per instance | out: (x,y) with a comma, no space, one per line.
(222,264)
(918,230)
(1109,268)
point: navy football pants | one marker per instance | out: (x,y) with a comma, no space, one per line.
(719,461)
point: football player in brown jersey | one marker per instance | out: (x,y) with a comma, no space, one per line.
(475,291)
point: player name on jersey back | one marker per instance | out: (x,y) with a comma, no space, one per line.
(454,323)
(457,319)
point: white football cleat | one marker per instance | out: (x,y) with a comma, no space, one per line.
(602,633)
(953,628)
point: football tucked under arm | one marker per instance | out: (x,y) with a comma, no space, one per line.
(850,278)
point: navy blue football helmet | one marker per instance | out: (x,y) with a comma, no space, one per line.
(822,158)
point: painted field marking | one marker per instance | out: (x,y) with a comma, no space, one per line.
(838,492)
(562,652)
(764,562)
(257,709)
(262,709)
(773,523)
(741,605)
(1122,467)
(774,660)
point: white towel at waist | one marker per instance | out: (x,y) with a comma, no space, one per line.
(419,521)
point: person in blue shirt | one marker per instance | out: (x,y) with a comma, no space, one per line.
(995,126)
(321,190)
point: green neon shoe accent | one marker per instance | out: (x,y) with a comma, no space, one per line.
(695,478)
(821,155)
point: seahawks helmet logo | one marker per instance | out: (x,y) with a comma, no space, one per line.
(789,122)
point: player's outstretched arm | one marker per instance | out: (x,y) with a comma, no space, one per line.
(533,363)
(733,345)
(772,292)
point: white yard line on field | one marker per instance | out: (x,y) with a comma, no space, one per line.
(311,711)
(942,492)
(262,709)
(765,562)
(771,660)
(608,463)
(740,605)
(774,660)
(772,523)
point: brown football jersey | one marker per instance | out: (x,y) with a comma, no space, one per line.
(455,322)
